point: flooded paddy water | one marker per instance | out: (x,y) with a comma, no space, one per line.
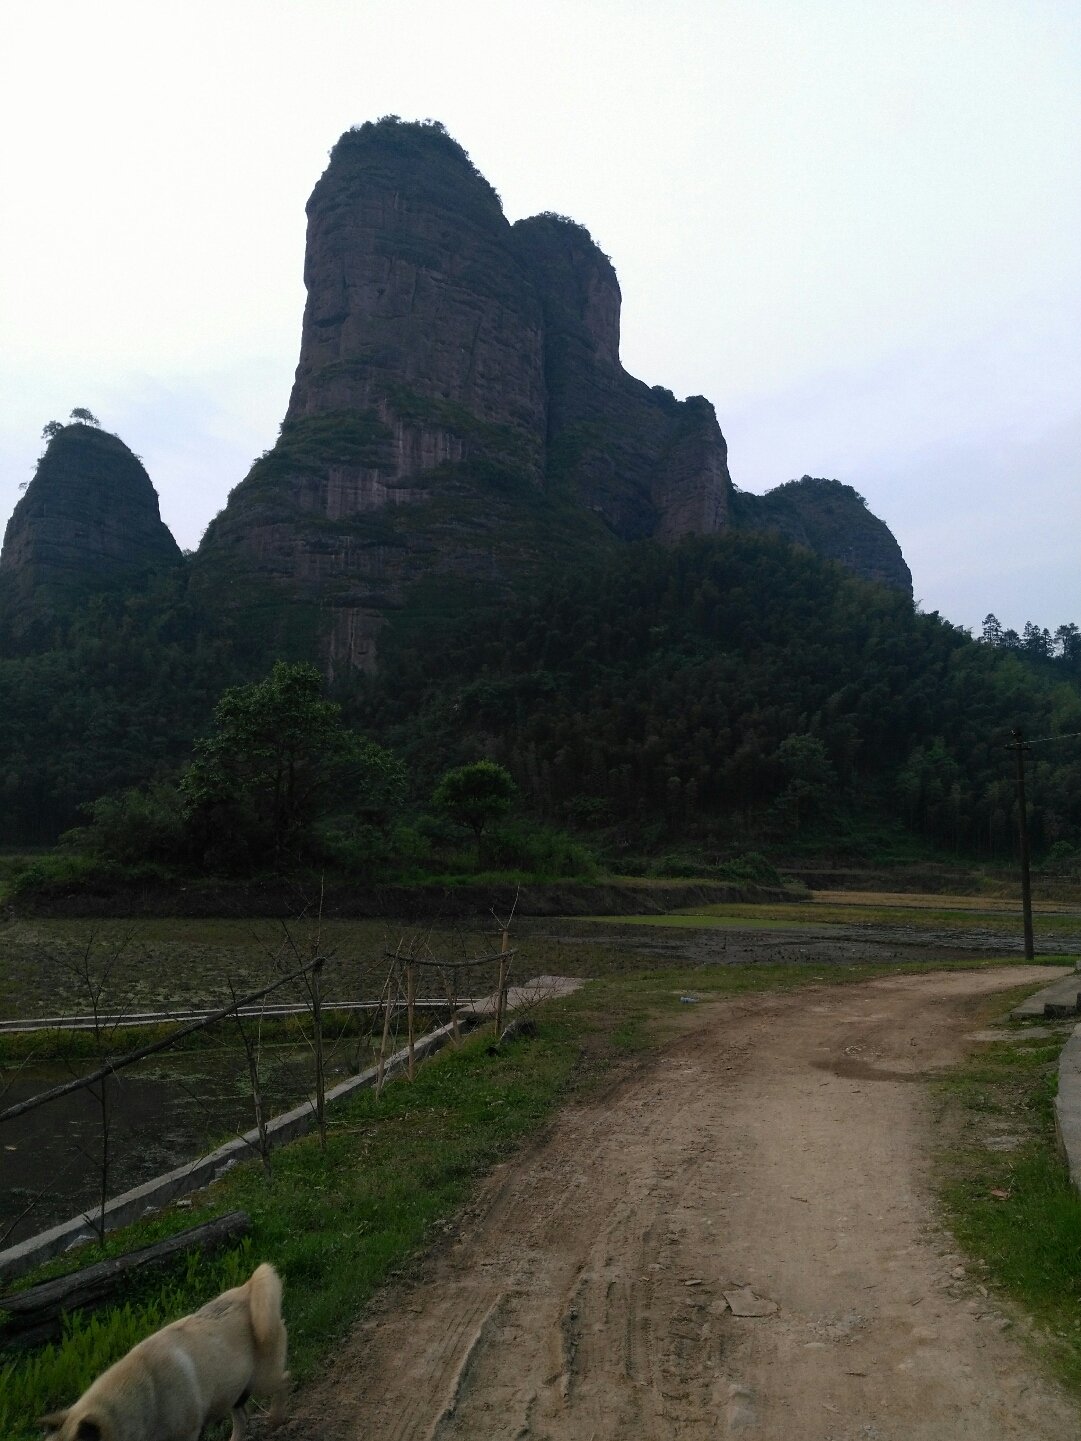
(179,1103)
(151,1117)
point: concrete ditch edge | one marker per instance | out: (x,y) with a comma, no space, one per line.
(193,1175)
(1068,1105)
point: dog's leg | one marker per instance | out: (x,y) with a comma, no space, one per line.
(240,1423)
(277,1402)
(278,1398)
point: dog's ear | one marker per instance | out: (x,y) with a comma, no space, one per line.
(53,1421)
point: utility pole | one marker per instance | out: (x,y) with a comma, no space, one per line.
(1019,747)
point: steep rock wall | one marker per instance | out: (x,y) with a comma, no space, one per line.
(650,465)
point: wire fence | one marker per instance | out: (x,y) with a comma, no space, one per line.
(88,1110)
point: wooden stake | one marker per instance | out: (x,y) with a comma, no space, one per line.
(451,988)
(320,1076)
(392,978)
(501,999)
(410,998)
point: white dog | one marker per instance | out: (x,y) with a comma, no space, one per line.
(197,1370)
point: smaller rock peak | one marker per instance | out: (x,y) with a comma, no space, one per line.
(89,513)
(577,280)
(572,235)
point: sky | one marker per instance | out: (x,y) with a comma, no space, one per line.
(853,225)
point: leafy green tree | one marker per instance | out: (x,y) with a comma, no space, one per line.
(806,765)
(1037,641)
(80,413)
(53,428)
(280,759)
(475,795)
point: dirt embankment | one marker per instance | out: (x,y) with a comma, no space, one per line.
(773,1159)
(287,900)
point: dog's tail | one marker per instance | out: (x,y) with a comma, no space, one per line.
(265,1290)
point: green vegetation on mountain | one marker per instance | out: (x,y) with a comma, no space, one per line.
(726,695)
(111,696)
(731,689)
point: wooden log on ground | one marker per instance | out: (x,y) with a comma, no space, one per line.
(30,1317)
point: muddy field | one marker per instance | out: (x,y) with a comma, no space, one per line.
(45,965)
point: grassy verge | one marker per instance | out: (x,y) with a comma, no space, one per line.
(1006,1192)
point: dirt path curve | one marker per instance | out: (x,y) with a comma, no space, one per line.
(778,1144)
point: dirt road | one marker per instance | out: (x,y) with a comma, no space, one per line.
(776,1154)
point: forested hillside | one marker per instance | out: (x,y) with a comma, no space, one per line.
(105,695)
(738,687)
(732,691)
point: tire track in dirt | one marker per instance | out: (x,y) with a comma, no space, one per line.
(777,1144)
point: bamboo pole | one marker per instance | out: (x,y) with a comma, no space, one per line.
(501,998)
(392,978)
(410,998)
(320,1075)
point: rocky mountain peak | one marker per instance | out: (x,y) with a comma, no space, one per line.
(577,281)
(833,520)
(416,298)
(460,415)
(89,514)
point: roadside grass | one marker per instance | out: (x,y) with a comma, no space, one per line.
(395,1173)
(1005,1190)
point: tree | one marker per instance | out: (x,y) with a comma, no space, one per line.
(279,760)
(1068,642)
(476,794)
(810,775)
(80,413)
(1036,641)
(53,429)
(992,629)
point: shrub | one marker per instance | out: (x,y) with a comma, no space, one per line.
(539,850)
(135,825)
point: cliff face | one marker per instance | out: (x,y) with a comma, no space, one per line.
(418,309)
(831,519)
(647,463)
(460,417)
(89,515)
(459,412)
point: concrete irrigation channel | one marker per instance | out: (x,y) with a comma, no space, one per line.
(181,1180)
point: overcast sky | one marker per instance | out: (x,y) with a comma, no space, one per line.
(852,224)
